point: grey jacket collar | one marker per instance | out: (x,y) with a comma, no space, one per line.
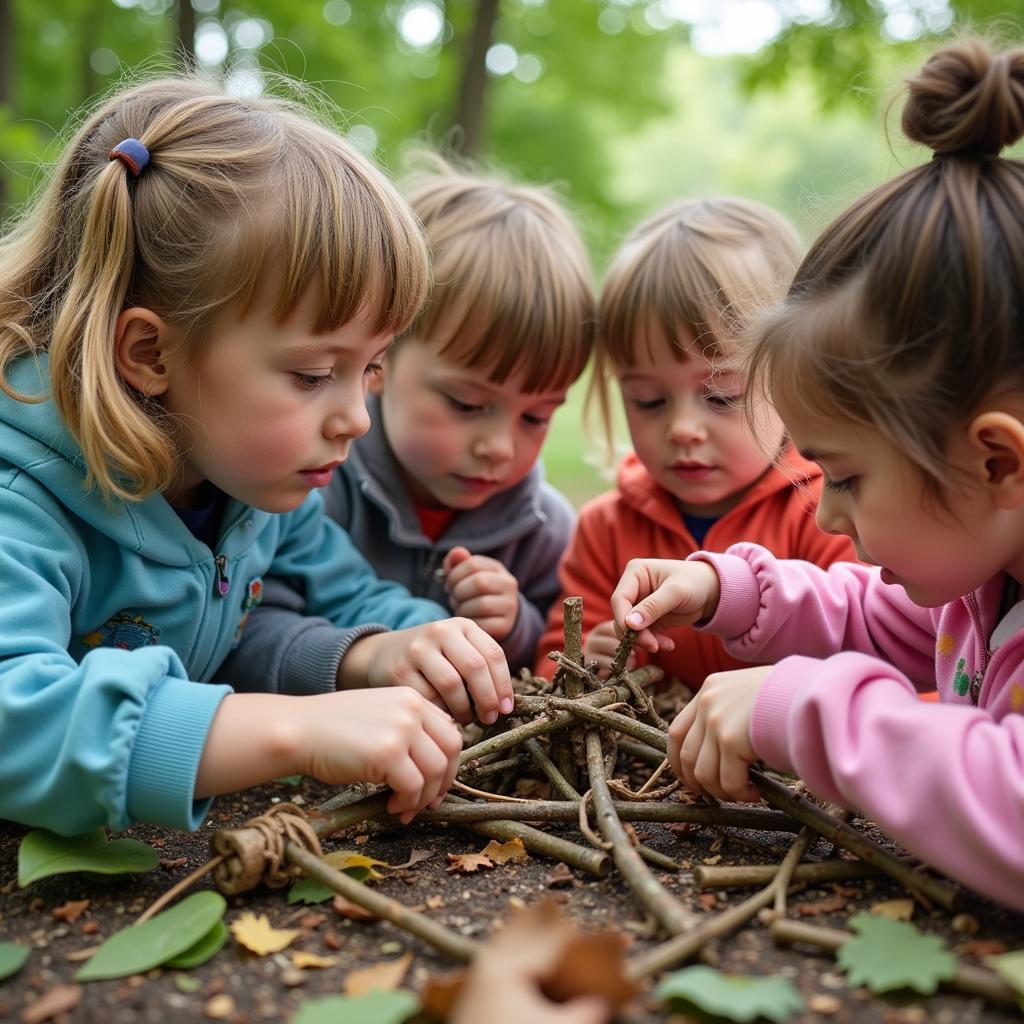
(501,519)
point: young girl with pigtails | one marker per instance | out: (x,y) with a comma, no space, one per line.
(897,364)
(190,313)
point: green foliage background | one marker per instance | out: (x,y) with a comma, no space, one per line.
(625,115)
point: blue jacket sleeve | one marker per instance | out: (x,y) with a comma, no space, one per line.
(327,597)
(113,739)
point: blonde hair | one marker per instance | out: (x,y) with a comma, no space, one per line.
(239,195)
(709,266)
(512,285)
(906,313)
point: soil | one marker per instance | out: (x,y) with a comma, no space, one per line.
(270,989)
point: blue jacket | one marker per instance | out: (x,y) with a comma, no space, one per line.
(110,614)
(526,528)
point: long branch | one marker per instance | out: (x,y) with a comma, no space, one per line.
(782,797)
(667,910)
(722,876)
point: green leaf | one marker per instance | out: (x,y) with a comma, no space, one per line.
(731,997)
(888,955)
(140,947)
(205,949)
(1009,967)
(43,853)
(309,890)
(373,1008)
(12,958)
(290,780)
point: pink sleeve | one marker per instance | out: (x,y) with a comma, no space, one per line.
(946,781)
(771,608)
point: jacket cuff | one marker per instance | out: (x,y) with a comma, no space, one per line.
(769,723)
(166,753)
(740,599)
(311,663)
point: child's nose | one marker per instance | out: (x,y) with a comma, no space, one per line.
(496,445)
(687,427)
(830,519)
(348,420)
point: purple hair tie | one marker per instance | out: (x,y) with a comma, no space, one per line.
(133,154)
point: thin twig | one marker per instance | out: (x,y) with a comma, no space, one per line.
(655,775)
(784,877)
(584,824)
(667,910)
(785,799)
(484,795)
(558,781)
(180,887)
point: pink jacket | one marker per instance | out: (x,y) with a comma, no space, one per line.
(841,708)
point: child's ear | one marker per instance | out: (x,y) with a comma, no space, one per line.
(997,439)
(140,350)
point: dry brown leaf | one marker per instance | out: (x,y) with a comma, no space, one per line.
(258,935)
(712,861)
(416,857)
(533,789)
(467,862)
(435,902)
(561,876)
(894,910)
(826,905)
(570,963)
(346,908)
(385,977)
(71,911)
(981,948)
(301,958)
(502,853)
(707,900)
(58,1000)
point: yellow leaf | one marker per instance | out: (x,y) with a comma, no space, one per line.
(502,853)
(302,959)
(257,935)
(343,860)
(894,910)
(385,977)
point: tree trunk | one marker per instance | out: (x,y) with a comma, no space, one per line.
(6,76)
(187,31)
(471,104)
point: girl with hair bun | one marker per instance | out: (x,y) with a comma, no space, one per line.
(190,314)
(897,364)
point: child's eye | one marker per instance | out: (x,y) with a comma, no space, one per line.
(717,400)
(535,421)
(839,486)
(649,404)
(374,370)
(463,407)
(312,381)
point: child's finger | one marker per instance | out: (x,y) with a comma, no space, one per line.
(407,782)
(735,779)
(454,558)
(483,581)
(433,764)
(486,606)
(468,568)
(493,681)
(677,733)
(444,678)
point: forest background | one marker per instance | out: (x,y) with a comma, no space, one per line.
(623,105)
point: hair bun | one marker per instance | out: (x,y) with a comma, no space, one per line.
(967,100)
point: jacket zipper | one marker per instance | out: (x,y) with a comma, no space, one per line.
(223,583)
(980,646)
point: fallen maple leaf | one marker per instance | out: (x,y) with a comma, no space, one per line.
(467,862)
(894,910)
(256,934)
(301,959)
(385,977)
(71,911)
(502,853)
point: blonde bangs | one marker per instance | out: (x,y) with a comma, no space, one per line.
(512,291)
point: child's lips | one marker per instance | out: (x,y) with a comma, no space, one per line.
(476,483)
(321,476)
(691,470)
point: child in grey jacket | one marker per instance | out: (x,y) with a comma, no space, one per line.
(445,493)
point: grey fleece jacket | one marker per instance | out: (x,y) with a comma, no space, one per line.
(526,528)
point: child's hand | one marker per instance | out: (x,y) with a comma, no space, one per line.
(709,742)
(451,662)
(673,594)
(393,736)
(482,589)
(600,646)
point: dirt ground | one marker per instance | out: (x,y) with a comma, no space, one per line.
(270,988)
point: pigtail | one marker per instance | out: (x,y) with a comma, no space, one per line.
(124,447)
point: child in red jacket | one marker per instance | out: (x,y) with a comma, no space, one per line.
(675,304)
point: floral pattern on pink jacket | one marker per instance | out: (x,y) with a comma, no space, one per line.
(841,709)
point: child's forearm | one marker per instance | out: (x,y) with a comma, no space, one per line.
(252,739)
